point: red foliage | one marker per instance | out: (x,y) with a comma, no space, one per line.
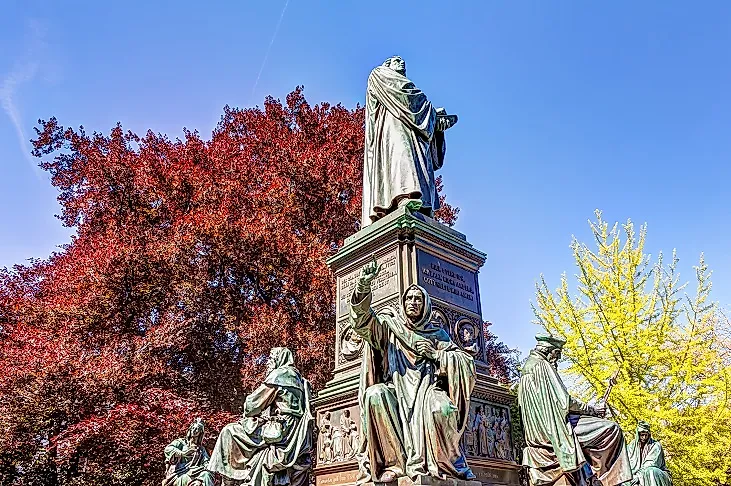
(502,361)
(446,213)
(190,260)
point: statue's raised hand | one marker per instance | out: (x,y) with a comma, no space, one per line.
(369,272)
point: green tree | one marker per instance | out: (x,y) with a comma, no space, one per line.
(671,349)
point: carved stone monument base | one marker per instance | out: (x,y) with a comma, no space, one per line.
(413,248)
(427,481)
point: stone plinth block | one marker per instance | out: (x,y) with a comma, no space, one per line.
(429,481)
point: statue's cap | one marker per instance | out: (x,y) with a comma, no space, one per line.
(643,426)
(557,342)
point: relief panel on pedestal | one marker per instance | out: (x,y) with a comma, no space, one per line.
(488,432)
(465,331)
(338,437)
(350,344)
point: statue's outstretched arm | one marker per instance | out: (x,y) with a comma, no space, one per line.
(581,408)
(363,318)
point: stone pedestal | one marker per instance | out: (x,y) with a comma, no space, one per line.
(428,481)
(413,249)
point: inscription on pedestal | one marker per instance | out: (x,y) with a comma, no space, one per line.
(496,476)
(448,282)
(384,286)
(343,477)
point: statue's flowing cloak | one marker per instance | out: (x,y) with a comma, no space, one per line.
(562,434)
(402,147)
(545,405)
(391,357)
(242,454)
(649,467)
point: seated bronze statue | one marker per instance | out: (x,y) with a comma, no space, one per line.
(567,441)
(272,442)
(647,459)
(414,391)
(186,459)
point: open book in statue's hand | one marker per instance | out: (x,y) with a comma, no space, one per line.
(445,122)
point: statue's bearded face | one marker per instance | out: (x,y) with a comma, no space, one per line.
(414,304)
(644,437)
(554,357)
(271,364)
(398,65)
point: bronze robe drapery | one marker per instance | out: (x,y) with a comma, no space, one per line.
(402,146)
(244,452)
(555,445)
(413,410)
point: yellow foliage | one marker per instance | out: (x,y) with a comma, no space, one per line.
(671,349)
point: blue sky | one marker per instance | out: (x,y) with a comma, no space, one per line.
(564,107)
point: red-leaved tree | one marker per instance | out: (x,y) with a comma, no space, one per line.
(191,259)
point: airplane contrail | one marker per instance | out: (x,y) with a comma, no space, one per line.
(269,48)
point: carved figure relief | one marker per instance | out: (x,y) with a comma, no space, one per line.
(349,440)
(440,320)
(463,330)
(339,437)
(488,432)
(469,437)
(351,345)
(502,434)
(468,337)
(326,439)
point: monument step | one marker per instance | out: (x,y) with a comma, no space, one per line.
(427,481)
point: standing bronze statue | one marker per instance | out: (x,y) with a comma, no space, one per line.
(272,442)
(647,459)
(186,459)
(563,435)
(404,143)
(414,389)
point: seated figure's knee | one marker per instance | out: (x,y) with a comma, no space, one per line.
(376,394)
(442,406)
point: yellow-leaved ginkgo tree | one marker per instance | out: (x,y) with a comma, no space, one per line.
(672,349)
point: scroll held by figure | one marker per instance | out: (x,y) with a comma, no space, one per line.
(647,459)
(186,459)
(404,143)
(414,390)
(564,436)
(272,443)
